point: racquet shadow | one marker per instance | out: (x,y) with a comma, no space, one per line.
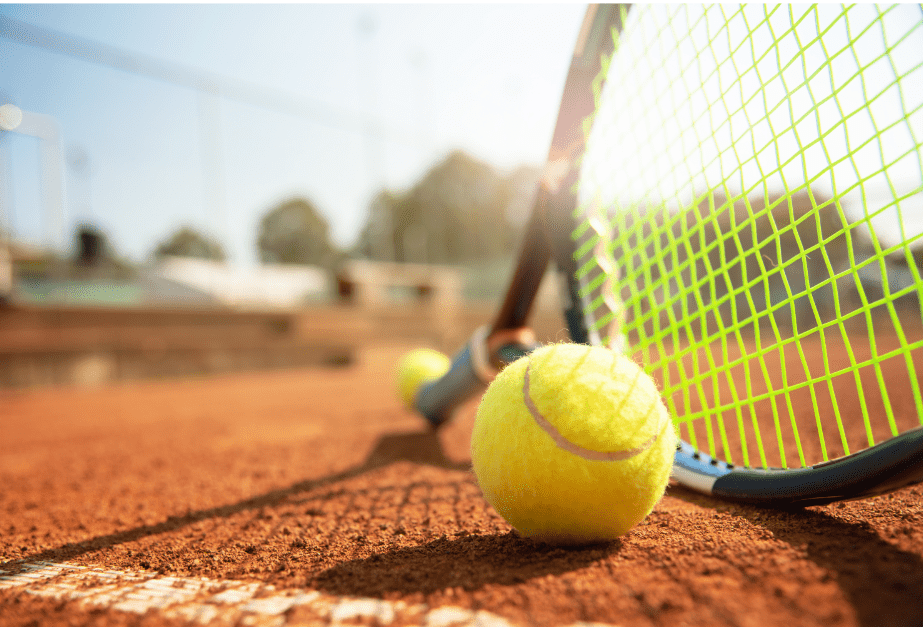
(421,447)
(881,582)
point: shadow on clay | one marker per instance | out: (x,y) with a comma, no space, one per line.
(881,581)
(469,562)
(421,447)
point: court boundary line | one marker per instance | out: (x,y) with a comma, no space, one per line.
(200,600)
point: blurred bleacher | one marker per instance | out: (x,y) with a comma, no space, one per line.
(75,324)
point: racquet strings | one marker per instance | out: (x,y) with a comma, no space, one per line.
(751,222)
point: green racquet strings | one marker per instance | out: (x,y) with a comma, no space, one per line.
(751,222)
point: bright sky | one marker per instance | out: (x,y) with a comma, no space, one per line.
(484,78)
(676,140)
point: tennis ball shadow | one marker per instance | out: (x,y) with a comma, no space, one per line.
(468,562)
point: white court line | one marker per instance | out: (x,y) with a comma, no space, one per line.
(202,600)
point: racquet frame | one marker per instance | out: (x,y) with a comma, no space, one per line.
(882,468)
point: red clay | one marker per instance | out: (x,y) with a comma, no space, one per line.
(319,479)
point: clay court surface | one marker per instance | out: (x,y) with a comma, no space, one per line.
(311,496)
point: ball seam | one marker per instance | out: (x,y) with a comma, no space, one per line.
(575,449)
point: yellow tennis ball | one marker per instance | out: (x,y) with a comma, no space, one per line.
(573,444)
(418,367)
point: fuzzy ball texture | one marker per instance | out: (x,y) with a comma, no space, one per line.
(573,444)
(418,367)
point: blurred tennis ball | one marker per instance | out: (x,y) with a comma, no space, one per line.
(573,444)
(418,367)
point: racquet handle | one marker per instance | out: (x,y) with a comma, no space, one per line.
(472,370)
(436,399)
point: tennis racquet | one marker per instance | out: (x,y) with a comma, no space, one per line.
(734,198)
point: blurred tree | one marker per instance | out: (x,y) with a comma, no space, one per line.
(187,242)
(462,210)
(94,256)
(92,246)
(295,233)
